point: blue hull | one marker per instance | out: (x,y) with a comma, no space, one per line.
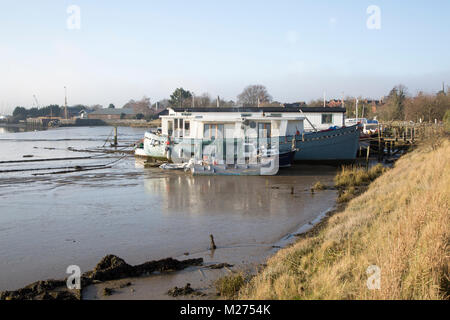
(286,159)
(341,144)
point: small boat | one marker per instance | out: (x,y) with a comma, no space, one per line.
(267,166)
(153,146)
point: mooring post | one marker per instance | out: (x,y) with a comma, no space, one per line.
(115,136)
(379,145)
(367,157)
(213,244)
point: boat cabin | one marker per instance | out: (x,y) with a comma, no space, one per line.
(231,123)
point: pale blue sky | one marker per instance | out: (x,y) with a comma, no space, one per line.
(298,49)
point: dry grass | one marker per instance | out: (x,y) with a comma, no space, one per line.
(400,224)
(354,180)
(318,186)
(229,286)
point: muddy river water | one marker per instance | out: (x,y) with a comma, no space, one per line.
(56,219)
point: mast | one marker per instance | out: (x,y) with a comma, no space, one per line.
(65,103)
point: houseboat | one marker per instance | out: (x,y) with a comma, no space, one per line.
(227,136)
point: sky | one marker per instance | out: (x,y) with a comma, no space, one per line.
(122,50)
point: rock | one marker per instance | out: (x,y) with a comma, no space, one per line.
(109,268)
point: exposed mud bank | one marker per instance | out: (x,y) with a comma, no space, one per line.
(109,268)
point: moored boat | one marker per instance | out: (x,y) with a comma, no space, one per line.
(230,137)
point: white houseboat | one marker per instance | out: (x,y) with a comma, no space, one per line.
(235,135)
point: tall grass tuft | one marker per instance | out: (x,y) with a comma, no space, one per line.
(229,286)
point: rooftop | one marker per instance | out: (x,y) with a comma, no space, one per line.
(264,109)
(114,112)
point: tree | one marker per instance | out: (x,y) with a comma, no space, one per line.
(396,99)
(203,101)
(254,95)
(111,106)
(142,106)
(179,97)
(20,113)
(96,107)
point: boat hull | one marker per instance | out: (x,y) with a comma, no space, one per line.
(335,145)
(286,159)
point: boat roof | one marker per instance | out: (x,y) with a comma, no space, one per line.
(263,109)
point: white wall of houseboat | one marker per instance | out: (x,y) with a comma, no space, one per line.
(338,119)
(281,125)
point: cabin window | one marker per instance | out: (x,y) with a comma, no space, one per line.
(179,124)
(327,119)
(264,130)
(213,131)
(170,128)
(187,128)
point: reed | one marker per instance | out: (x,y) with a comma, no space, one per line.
(400,224)
(228,286)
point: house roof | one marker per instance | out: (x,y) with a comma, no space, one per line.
(264,109)
(114,112)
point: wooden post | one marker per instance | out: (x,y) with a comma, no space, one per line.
(213,244)
(367,157)
(379,144)
(115,136)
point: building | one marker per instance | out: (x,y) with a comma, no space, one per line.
(112,114)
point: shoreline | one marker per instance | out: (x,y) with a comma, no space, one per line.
(216,264)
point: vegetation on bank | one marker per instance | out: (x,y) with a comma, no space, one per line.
(228,286)
(400,226)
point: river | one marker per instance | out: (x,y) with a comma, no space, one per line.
(56,219)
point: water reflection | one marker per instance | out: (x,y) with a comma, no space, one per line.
(246,196)
(17,129)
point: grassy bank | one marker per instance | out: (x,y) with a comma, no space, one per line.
(400,223)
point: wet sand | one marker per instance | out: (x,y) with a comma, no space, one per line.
(50,222)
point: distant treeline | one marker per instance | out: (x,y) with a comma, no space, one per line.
(21,113)
(397,105)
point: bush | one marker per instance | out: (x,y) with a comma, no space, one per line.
(229,286)
(447,121)
(318,186)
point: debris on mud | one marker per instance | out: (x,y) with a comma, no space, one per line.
(109,268)
(187,290)
(108,292)
(220,266)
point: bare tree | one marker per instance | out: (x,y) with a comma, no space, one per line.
(254,95)
(203,101)
(139,107)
